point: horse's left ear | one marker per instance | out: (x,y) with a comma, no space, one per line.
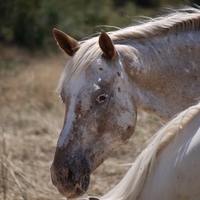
(107,46)
(68,44)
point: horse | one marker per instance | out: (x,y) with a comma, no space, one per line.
(168,168)
(153,66)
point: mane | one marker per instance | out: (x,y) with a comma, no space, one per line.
(186,19)
(131,185)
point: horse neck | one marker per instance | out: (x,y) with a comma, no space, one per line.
(163,70)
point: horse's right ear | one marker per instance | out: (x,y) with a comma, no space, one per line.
(68,44)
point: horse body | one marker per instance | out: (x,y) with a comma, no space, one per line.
(154,67)
(168,168)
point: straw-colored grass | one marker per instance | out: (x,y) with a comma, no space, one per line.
(31,117)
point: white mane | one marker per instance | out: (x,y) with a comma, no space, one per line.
(131,185)
(182,20)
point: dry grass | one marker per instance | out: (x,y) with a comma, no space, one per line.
(31,117)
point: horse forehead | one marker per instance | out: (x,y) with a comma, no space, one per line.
(76,84)
(97,71)
(85,81)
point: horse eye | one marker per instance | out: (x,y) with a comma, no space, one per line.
(102,98)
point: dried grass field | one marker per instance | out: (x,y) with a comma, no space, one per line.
(31,117)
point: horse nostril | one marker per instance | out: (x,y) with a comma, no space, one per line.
(85,170)
(70,174)
(77,177)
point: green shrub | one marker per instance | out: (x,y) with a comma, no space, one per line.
(29,23)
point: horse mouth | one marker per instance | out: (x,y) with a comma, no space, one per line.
(82,187)
(78,190)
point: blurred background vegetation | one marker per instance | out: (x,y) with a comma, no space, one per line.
(30,23)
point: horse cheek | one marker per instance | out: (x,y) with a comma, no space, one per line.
(126,116)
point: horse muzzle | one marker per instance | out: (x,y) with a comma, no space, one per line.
(71,176)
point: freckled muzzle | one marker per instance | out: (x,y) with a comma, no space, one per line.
(71,175)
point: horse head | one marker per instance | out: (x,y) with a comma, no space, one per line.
(100,111)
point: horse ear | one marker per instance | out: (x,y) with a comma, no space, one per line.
(68,44)
(107,46)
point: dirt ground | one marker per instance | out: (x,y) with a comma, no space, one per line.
(31,117)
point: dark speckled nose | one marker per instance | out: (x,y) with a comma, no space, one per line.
(71,175)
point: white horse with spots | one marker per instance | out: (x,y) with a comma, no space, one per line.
(154,67)
(169,167)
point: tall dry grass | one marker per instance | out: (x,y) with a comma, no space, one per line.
(31,117)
